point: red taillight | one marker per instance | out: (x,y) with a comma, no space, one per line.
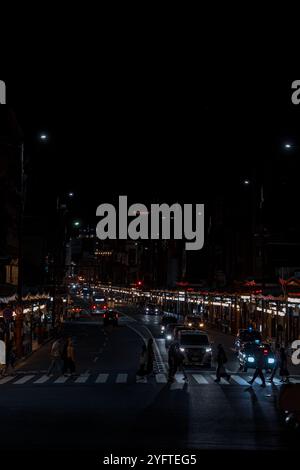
(105,307)
(266,352)
(104,316)
(94,307)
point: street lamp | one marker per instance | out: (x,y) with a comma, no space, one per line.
(43,137)
(246,182)
(76,223)
(288,146)
(71,194)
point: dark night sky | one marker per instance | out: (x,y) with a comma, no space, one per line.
(154,135)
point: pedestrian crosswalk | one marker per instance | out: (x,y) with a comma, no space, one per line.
(109,378)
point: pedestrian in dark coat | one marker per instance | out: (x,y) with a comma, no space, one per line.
(150,357)
(221,360)
(283,372)
(143,363)
(260,363)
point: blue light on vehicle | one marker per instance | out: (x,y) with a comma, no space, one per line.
(251,359)
(257,341)
(271,360)
(250,328)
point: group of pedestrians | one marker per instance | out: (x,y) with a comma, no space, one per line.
(62,357)
(176,363)
(281,365)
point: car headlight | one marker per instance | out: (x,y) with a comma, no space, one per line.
(201,325)
(251,359)
(182,349)
(162,328)
(156,309)
(147,309)
(169,337)
(208,350)
(189,324)
(271,360)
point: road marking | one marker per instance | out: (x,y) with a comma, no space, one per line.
(200,379)
(24,379)
(239,380)
(121,378)
(294,381)
(161,378)
(61,380)
(222,381)
(42,379)
(6,379)
(141,380)
(101,379)
(82,379)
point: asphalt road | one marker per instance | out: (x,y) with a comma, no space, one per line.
(103,409)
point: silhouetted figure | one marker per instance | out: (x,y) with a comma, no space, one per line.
(283,372)
(150,357)
(55,353)
(221,361)
(277,362)
(175,361)
(259,368)
(69,363)
(143,362)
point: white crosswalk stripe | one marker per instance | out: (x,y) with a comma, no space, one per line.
(125,378)
(42,379)
(239,380)
(222,381)
(161,378)
(121,378)
(82,379)
(6,379)
(61,380)
(24,379)
(200,379)
(101,379)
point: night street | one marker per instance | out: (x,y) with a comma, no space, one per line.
(103,406)
(149,260)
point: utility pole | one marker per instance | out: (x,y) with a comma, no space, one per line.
(19,312)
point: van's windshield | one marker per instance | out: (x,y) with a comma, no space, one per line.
(194,340)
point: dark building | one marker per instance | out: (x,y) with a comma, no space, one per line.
(10,196)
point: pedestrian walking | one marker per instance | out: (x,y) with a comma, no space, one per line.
(260,362)
(283,372)
(150,358)
(176,362)
(142,371)
(9,368)
(55,353)
(69,363)
(277,363)
(221,360)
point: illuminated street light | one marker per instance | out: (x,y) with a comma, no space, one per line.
(288,146)
(246,182)
(43,136)
(71,194)
(76,223)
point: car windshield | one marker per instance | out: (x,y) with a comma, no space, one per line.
(250,348)
(248,336)
(194,340)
